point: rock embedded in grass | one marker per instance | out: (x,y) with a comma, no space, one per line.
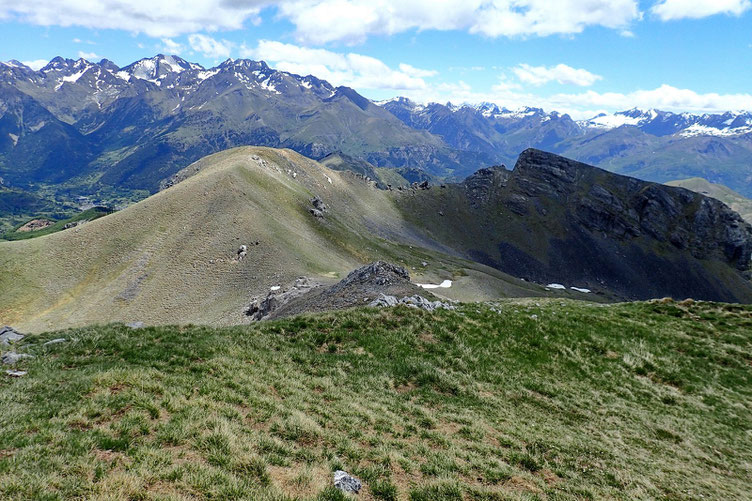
(9,335)
(346,483)
(12,358)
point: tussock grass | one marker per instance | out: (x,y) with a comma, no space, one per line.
(536,399)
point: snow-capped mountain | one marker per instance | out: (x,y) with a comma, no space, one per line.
(665,123)
(136,125)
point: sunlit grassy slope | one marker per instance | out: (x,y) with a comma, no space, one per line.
(172,257)
(525,399)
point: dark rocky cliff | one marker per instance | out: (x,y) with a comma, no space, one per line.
(552,219)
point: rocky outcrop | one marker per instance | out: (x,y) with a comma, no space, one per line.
(418,302)
(377,284)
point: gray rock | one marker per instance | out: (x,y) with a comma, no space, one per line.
(318,204)
(316,213)
(419,302)
(16,373)
(384,301)
(424,304)
(55,341)
(259,309)
(346,483)
(9,335)
(12,358)
(242,252)
(135,325)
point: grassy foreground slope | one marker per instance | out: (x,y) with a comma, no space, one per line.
(527,399)
(172,257)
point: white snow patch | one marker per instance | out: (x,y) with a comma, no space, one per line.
(203,75)
(275,288)
(604,121)
(443,285)
(556,286)
(704,130)
(329,179)
(14,138)
(306,84)
(267,85)
(124,75)
(579,289)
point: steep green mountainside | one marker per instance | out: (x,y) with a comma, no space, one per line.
(174,256)
(545,399)
(734,200)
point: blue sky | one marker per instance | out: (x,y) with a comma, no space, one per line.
(575,56)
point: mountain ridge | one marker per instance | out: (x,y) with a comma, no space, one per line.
(246,221)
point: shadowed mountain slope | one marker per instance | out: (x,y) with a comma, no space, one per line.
(556,220)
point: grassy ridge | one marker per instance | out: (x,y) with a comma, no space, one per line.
(522,400)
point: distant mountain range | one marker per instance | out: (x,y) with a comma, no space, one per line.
(653,145)
(76,128)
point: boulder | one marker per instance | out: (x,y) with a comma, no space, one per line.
(12,358)
(9,335)
(346,483)
(242,252)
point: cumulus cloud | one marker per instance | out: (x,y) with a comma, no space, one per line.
(561,73)
(322,21)
(350,69)
(90,56)
(210,47)
(669,10)
(170,46)
(156,18)
(36,64)
(353,20)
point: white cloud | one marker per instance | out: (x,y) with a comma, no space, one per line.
(561,73)
(351,69)
(417,72)
(170,46)
(210,47)
(36,64)
(90,56)
(322,21)
(668,10)
(156,18)
(353,20)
